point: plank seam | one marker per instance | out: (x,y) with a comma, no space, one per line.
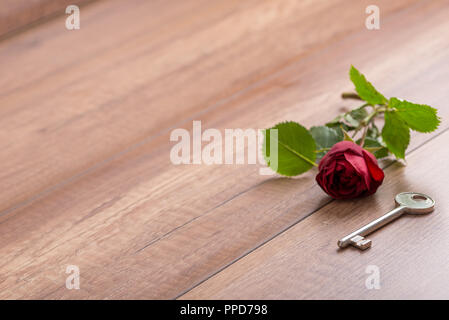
(165,235)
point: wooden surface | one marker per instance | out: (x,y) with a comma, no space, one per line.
(21,14)
(86,180)
(304,262)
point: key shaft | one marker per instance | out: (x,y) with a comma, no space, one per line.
(356,238)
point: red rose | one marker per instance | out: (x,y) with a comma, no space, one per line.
(348,171)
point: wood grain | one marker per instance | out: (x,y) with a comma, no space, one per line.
(17,14)
(140,227)
(304,262)
(123,85)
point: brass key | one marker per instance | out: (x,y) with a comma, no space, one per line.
(406,202)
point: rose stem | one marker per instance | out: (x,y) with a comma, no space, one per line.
(350,95)
(362,142)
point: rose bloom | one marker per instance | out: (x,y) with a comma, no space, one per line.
(348,171)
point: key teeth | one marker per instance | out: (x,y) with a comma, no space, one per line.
(364,244)
(361,243)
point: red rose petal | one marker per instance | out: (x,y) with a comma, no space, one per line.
(376,172)
(360,166)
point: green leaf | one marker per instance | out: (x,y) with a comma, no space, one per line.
(325,138)
(419,117)
(365,89)
(373,131)
(338,125)
(375,147)
(395,134)
(356,116)
(296,149)
(372,149)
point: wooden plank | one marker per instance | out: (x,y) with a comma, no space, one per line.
(304,262)
(141,227)
(17,14)
(106,87)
